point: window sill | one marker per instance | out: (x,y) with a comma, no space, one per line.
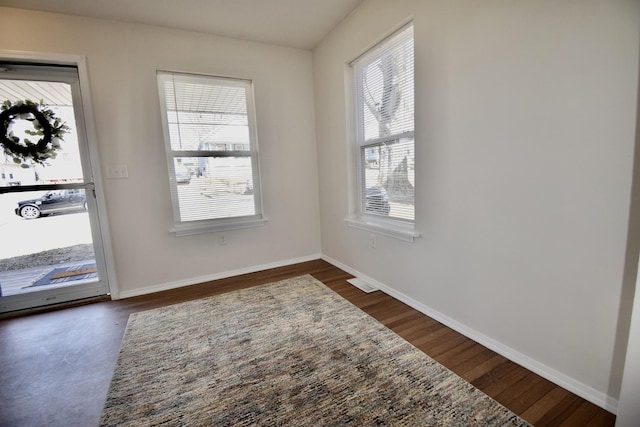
(188,229)
(386,227)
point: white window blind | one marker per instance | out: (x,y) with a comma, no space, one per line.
(384,79)
(210,140)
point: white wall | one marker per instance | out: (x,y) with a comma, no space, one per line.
(122,60)
(525,120)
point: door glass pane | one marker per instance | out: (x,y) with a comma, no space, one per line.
(51,251)
(66,167)
(46,235)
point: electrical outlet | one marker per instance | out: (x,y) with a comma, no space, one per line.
(372,241)
(117,172)
(222,241)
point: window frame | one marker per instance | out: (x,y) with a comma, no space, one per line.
(403,229)
(184,228)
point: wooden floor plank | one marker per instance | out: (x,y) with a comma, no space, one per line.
(495,375)
(561,411)
(479,357)
(404,316)
(462,354)
(421,333)
(449,356)
(436,339)
(582,416)
(532,388)
(506,384)
(483,368)
(602,419)
(410,326)
(543,406)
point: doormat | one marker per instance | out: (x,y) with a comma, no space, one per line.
(68,274)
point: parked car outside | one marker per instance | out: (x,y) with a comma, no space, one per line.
(377,201)
(56,201)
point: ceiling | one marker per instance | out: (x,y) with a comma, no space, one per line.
(294,23)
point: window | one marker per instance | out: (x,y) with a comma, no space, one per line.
(384,86)
(210,139)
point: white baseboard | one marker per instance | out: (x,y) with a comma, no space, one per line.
(217,276)
(586,392)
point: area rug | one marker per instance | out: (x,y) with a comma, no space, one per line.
(67,274)
(287,353)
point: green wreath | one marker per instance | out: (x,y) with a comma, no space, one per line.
(45,124)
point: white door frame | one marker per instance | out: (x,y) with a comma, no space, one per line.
(80,62)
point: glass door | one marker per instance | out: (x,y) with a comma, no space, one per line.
(50,246)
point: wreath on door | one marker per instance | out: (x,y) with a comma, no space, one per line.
(49,128)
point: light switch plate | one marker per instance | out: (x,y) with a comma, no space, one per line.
(117,172)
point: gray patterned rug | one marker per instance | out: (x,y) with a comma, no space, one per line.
(287,353)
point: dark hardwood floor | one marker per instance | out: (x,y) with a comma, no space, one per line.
(55,367)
